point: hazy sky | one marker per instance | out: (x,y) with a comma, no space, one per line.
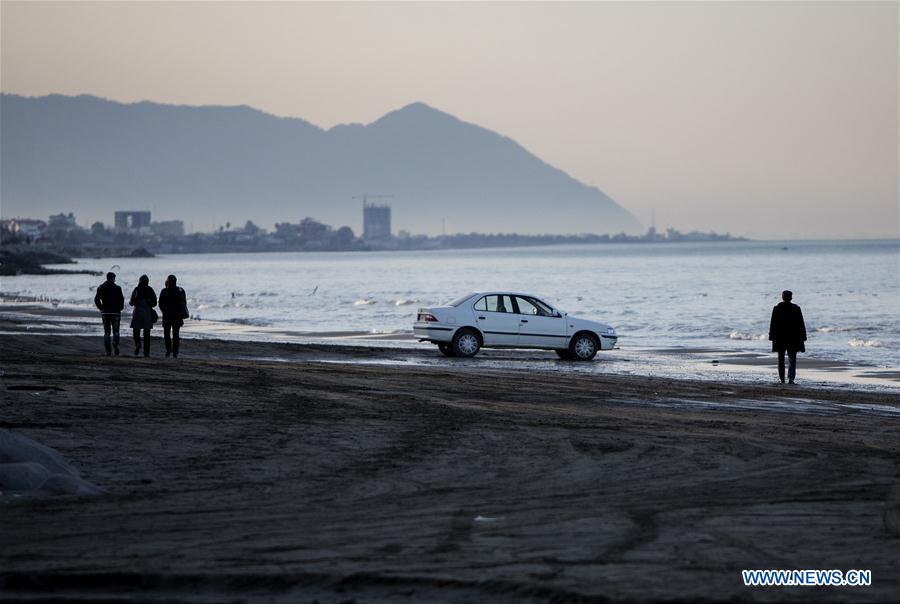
(763,119)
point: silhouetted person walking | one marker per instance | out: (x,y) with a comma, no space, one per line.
(110,301)
(173,304)
(788,334)
(143,298)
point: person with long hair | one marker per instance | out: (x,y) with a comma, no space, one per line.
(143,299)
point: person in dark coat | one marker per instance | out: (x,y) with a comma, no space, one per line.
(788,334)
(173,304)
(110,302)
(143,299)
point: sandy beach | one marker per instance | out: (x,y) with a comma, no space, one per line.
(278,472)
(479,302)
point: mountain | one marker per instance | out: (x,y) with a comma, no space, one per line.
(208,165)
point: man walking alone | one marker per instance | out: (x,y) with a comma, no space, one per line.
(110,301)
(788,334)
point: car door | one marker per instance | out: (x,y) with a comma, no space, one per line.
(497,320)
(539,325)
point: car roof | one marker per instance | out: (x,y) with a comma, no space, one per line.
(505,293)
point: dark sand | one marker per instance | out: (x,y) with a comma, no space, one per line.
(231,478)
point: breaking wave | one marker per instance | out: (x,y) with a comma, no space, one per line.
(860,343)
(740,335)
(365,302)
(225,305)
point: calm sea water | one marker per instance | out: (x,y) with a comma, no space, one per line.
(716,295)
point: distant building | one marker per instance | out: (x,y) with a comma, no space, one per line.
(130,222)
(376,222)
(168,228)
(308,229)
(62,221)
(27,227)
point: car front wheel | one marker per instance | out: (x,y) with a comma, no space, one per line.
(466,343)
(583,347)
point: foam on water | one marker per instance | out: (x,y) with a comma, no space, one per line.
(737,335)
(859,342)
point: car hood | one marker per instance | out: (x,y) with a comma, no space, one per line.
(579,323)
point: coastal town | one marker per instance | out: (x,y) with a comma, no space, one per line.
(136,233)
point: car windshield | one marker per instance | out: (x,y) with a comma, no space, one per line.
(459,301)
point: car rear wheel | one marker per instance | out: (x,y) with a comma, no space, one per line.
(583,346)
(564,354)
(447,349)
(466,343)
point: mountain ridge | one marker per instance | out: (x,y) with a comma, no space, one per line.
(213,163)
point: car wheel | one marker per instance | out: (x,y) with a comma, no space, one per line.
(447,349)
(564,354)
(466,343)
(583,346)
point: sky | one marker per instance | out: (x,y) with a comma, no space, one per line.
(763,119)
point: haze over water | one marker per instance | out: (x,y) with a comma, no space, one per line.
(763,119)
(716,295)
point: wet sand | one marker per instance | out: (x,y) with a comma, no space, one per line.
(28,315)
(280,472)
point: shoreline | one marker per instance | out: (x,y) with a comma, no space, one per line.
(323,472)
(458,241)
(698,363)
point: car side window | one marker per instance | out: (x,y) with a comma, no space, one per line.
(526,307)
(530,306)
(543,309)
(494,304)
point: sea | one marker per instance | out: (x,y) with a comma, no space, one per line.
(703,295)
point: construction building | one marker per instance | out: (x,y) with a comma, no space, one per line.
(376,222)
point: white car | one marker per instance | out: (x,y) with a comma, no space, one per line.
(510,320)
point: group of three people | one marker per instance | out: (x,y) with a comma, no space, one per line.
(787,330)
(172,302)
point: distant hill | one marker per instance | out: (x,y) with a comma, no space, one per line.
(208,165)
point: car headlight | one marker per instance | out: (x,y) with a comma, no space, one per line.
(610,331)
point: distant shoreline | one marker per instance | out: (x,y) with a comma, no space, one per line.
(73,243)
(140,248)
